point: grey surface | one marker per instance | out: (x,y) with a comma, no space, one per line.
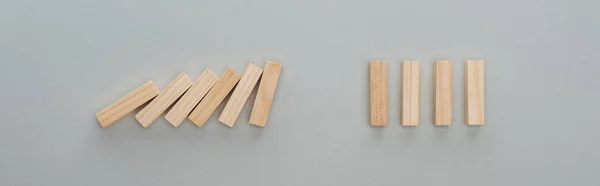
(62,61)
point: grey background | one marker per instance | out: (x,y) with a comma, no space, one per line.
(63,61)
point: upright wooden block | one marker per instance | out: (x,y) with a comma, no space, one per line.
(443,92)
(379,93)
(215,96)
(264,96)
(410,93)
(157,106)
(127,104)
(474,107)
(191,98)
(240,95)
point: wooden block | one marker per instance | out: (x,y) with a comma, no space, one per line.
(474,92)
(157,106)
(379,93)
(136,98)
(240,95)
(410,93)
(215,96)
(191,98)
(442,89)
(264,96)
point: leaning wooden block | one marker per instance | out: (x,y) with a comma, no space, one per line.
(190,99)
(114,112)
(264,96)
(215,96)
(155,108)
(474,92)
(443,93)
(240,95)
(379,93)
(410,93)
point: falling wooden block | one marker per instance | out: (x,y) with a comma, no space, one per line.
(157,106)
(215,96)
(443,92)
(410,93)
(136,98)
(379,93)
(191,98)
(474,107)
(264,96)
(240,95)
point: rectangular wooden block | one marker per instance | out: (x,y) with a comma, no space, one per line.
(379,93)
(215,96)
(442,92)
(191,98)
(474,92)
(240,95)
(127,104)
(157,106)
(264,96)
(410,93)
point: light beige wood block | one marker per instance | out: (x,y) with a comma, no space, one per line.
(379,93)
(127,104)
(264,96)
(474,107)
(157,106)
(191,98)
(410,93)
(442,92)
(240,95)
(215,96)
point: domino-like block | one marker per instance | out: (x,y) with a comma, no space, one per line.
(215,96)
(264,96)
(379,93)
(442,72)
(474,107)
(127,104)
(157,106)
(191,98)
(240,95)
(410,93)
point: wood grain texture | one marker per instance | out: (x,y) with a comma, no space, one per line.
(265,94)
(191,98)
(474,91)
(240,95)
(157,106)
(442,89)
(379,93)
(410,93)
(127,104)
(215,96)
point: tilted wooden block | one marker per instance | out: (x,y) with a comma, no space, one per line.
(157,106)
(443,92)
(379,93)
(474,107)
(127,104)
(240,95)
(190,99)
(410,93)
(215,96)
(264,96)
